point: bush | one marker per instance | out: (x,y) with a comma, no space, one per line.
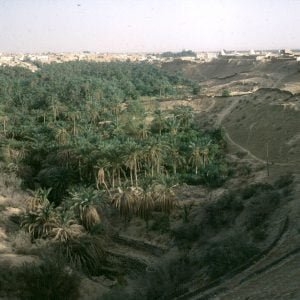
(85,254)
(163,282)
(49,279)
(186,233)
(223,211)
(225,93)
(284,181)
(225,255)
(214,175)
(191,179)
(255,189)
(261,207)
(161,224)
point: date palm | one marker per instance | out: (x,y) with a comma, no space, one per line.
(165,199)
(176,159)
(154,154)
(67,228)
(62,136)
(125,200)
(145,205)
(195,157)
(41,222)
(84,206)
(132,161)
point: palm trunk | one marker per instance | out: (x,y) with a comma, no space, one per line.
(119,177)
(135,174)
(74,126)
(131,177)
(113,179)
(4,127)
(174,169)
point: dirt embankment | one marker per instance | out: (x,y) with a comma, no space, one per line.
(241,75)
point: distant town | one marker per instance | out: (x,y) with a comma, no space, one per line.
(33,60)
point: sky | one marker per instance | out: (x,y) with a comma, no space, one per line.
(148,25)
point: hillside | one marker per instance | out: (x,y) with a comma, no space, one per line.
(259,126)
(120,182)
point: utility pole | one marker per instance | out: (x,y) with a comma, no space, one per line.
(268,171)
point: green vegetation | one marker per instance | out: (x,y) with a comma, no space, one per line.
(49,279)
(92,156)
(183,53)
(67,123)
(225,93)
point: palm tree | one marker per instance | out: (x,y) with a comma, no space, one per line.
(155,153)
(176,159)
(41,222)
(184,114)
(159,121)
(164,197)
(4,120)
(173,125)
(37,199)
(67,228)
(125,200)
(84,206)
(62,136)
(132,161)
(74,115)
(195,157)
(145,205)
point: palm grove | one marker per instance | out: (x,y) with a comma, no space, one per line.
(80,138)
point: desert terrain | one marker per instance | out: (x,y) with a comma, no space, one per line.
(259,117)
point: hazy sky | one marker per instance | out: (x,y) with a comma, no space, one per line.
(148,25)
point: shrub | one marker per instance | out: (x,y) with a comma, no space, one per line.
(225,255)
(259,233)
(191,179)
(225,93)
(214,175)
(49,279)
(186,233)
(84,253)
(255,189)
(261,207)
(223,211)
(161,224)
(284,181)
(163,282)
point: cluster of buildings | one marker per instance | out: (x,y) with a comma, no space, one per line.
(263,55)
(32,61)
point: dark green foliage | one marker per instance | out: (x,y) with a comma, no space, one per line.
(214,175)
(162,282)
(225,255)
(255,189)
(67,120)
(48,279)
(260,207)
(85,253)
(283,181)
(186,210)
(191,179)
(225,93)
(161,224)
(182,53)
(259,233)
(187,233)
(222,212)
